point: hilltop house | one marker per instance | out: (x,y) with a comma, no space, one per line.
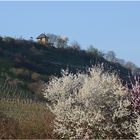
(43,39)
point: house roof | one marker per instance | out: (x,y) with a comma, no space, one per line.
(42,36)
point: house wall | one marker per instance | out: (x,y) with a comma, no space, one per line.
(43,40)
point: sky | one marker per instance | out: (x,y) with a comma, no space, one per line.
(107,25)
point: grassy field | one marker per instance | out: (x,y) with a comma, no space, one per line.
(25,119)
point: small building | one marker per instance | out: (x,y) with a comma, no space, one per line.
(43,39)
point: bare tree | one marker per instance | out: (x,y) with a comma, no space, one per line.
(111,56)
(52,38)
(131,66)
(91,49)
(61,41)
(121,61)
(75,45)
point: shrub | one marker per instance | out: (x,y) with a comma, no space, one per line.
(92,105)
(75,45)
(94,51)
(19,71)
(8,39)
(36,87)
(35,76)
(22,72)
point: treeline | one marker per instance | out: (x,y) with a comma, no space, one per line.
(62,42)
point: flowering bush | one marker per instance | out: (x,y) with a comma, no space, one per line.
(135,101)
(92,105)
(135,95)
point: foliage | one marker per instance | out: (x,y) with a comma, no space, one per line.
(8,39)
(138,128)
(57,40)
(61,41)
(94,51)
(111,56)
(52,38)
(93,105)
(75,45)
(135,94)
(120,61)
(131,66)
(35,76)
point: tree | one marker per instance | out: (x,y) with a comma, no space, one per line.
(111,56)
(121,61)
(92,50)
(131,66)
(89,106)
(1,38)
(52,38)
(57,40)
(9,39)
(61,41)
(75,45)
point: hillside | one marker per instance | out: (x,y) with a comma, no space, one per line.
(27,113)
(25,64)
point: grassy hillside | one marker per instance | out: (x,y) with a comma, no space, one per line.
(25,64)
(24,68)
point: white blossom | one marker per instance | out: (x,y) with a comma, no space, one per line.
(89,105)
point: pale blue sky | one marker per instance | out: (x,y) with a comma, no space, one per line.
(107,25)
